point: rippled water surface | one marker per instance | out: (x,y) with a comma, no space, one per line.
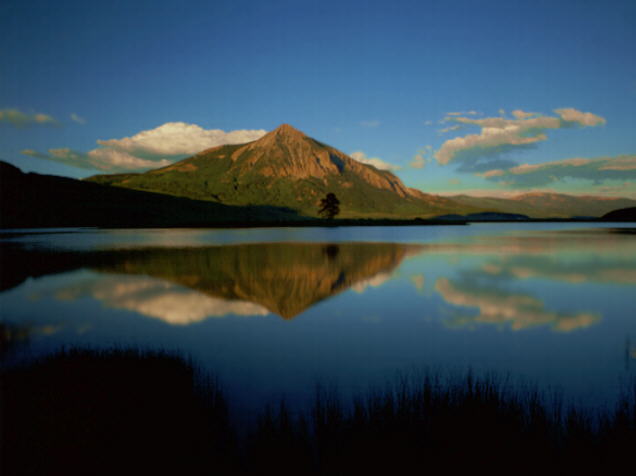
(273,312)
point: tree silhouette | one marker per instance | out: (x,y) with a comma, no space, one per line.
(329,206)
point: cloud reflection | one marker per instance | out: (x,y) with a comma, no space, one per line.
(581,271)
(374,282)
(158,299)
(418,281)
(519,311)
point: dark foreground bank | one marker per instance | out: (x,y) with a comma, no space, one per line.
(127,412)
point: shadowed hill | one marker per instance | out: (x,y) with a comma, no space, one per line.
(34,200)
(624,214)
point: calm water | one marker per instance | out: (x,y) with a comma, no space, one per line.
(273,312)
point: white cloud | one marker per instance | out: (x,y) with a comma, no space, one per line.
(374,161)
(422,156)
(499,134)
(463,113)
(106,160)
(569,114)
(595,170)
(177,139)
(78,119)
(116,160)
(529,168)
(519,114)
(625,162)
(372,123)
(450,129)
(492,173)
(18,118)
(148,149)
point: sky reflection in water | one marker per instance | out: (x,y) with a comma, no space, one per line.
(550,303)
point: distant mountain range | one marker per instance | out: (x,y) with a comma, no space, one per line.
(279,178)
(547,205)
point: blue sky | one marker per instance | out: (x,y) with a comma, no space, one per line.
(544,91)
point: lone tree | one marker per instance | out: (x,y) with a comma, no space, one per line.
(329,206)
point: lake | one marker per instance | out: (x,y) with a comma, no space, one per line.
(275,312)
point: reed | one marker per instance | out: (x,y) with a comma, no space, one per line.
(121,410)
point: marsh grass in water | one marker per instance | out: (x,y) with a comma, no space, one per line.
(127,411)
(112,412)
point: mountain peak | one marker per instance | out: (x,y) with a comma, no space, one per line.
(287,130)
(285,134)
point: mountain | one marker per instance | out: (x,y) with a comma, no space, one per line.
(484,216)
(546,205)
(286,168)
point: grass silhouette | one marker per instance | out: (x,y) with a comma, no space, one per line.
(126,411)
(112,412)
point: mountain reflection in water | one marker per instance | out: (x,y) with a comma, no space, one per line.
(484,280)
(273,318)
(184,285)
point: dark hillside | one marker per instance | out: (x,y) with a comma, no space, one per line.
(624,214)
(34,200)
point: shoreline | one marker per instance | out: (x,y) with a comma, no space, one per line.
(309,223)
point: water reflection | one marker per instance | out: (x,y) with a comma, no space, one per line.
(186,285)
(502,307)
(12,336)
(156,298)
(552,306)
(586,269)
(480,283)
